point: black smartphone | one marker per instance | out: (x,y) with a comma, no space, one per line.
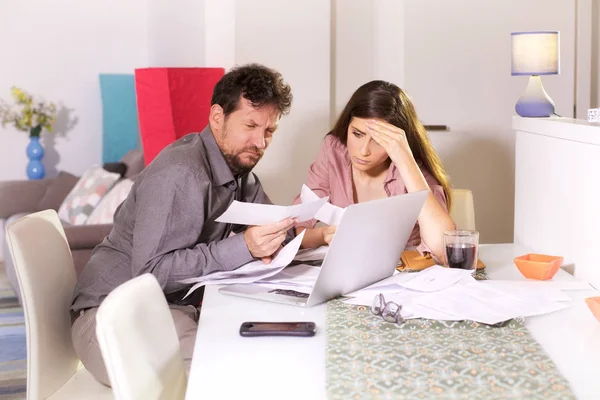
(250,329)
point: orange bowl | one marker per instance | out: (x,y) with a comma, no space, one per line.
(593,304)
(538,266)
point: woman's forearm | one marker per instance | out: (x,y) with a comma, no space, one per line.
(433,222)
(433,219)
(313,237)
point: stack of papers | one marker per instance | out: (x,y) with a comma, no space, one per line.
(241,213)
(453,295)
(251,272)
(306,255)
(301,278)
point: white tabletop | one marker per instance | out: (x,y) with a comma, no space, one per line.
(226,365)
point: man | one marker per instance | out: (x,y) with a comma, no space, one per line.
(167,227)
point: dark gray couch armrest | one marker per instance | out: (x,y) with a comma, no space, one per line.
(21,196)
(86,236)
(134,159)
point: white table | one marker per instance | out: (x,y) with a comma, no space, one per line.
(227,366)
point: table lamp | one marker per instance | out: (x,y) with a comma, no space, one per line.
(535,54)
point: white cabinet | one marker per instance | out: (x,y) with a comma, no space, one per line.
(557,191)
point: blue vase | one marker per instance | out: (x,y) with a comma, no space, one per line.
(35,153)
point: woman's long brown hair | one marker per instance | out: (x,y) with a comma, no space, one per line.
(386,101)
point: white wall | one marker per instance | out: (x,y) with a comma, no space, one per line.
(176,34)
(219,33)
(292,37)
(56,50)
(453,58)
(458,72)
(369,44)
(355,61)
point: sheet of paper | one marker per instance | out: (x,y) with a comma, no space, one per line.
(297,275)
(529,289)
(484,303)
(413,310)
(328,214)
(384,285)
(251,272)
(453,295)
(567,285)
(317,254)
(392,292)
(404,297)
(262,214)
(437,278)
(390,288)
(372,291)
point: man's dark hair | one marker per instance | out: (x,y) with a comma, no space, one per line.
(260,85)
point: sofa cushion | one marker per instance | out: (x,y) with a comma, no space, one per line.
(57,191)
(105,210)
(85,196)
(21,196)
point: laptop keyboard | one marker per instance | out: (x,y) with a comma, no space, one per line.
(292,293)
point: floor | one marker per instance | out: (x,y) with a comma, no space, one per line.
(13,367)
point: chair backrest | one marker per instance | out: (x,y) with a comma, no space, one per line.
(463,210)
(46,275)
(139,343)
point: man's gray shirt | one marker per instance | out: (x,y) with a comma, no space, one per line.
(167,227)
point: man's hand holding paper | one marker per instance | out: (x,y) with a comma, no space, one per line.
(264,241)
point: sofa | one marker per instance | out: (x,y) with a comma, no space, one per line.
(19,198)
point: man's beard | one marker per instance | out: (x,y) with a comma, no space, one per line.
(237,166)
(233,160)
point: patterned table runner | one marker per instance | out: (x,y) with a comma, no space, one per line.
(367,357)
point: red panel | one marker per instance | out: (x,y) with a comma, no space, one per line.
(172,102)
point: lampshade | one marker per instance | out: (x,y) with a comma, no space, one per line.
(535,53)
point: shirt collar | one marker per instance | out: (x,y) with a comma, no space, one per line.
(221,174)
(392,174)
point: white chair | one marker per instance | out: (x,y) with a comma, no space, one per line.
(46,276)
(139,343)
(462,211)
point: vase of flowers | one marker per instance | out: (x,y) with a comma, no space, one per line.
(31,116)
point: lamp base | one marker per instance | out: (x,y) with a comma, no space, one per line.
(535,102)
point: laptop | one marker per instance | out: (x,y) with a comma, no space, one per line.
(365,249)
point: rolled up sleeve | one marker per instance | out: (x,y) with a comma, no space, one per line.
(438,193)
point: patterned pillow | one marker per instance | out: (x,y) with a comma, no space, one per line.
(86,195)
(105,211)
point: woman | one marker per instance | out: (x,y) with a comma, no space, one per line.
(378,148)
